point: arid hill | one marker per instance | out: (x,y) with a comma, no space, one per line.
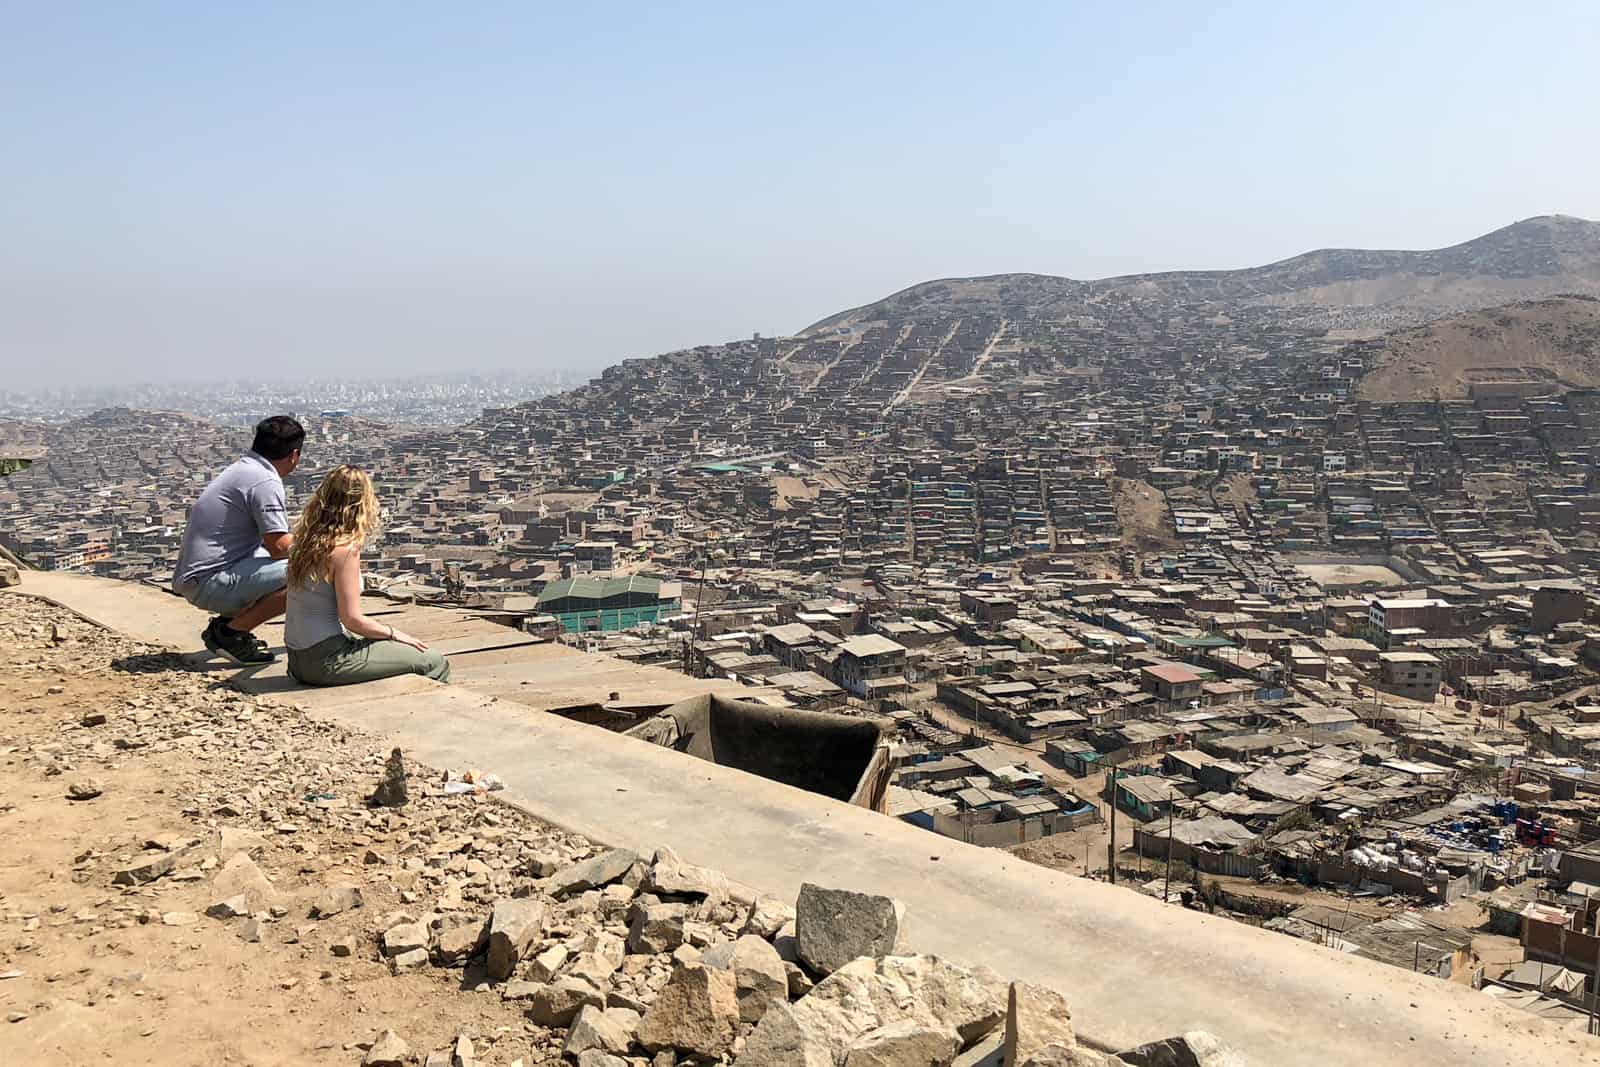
(1341,288)
(1556,340)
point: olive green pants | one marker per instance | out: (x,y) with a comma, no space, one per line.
(345,660)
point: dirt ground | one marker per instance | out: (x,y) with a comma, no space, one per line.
(1544,341)
(1235,489)
(788,489)
(1340,575)
(95,972)
(1142,515)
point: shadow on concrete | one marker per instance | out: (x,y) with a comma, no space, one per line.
(156,662)
(268,679)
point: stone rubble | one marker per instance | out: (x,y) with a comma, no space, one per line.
(303,832)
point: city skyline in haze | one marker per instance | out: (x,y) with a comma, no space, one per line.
(193,193)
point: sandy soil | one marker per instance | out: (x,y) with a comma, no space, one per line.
(93,972)
(1548,341)
(1142,515)
(1337,575)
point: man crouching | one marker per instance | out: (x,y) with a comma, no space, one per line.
(233,560)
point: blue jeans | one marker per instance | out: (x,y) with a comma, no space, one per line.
(229,591)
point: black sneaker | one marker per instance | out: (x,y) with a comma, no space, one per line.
(209,634)
(244,649)
(262,648)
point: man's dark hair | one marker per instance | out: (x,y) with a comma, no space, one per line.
(277,436)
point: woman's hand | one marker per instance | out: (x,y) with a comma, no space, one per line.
(406,639)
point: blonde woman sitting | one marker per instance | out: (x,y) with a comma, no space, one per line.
(330,641)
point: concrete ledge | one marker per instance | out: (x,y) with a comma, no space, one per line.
(1133,969)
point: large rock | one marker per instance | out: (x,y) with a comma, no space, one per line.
(987,1051)
(904,1044)
(697,1011)
(670,876)
(835,926)
(547,963)
(607,1029)
(602,957)
(460,941)
(768,917)
(1035,1017)
(9,575)
(150,866)
(230,908)
(240,876)
(145,869)
(1197,1048)
(391,791)
(781,1040)
(592,873)
(800,982)
(404,937)
(594,1057)
(409,960)
(759,975)
(234,839)
(388,1051)
(656,928)
(868,994)
(555,1003)
(786,943)
(337,899)
(514,926)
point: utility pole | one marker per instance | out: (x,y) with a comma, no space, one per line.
(1166,890)
(694,626)
(1111,845)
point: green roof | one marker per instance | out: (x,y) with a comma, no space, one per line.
(1207,641)
(599,588)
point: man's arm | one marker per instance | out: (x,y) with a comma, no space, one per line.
(277,544)
(272,519)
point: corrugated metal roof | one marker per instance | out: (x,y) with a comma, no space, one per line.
(586,588)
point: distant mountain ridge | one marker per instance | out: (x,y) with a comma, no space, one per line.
(1361,289)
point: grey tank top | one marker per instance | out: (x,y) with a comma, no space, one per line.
(312,615)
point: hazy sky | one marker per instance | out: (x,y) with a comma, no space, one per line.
(190,190)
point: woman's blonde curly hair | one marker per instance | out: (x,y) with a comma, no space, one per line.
(343,511)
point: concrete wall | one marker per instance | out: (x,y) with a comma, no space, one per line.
(1554,944)
(1000,833)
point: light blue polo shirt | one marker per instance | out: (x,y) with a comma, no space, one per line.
(241,505)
